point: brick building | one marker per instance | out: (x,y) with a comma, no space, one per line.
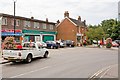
(71,29)
(28,28)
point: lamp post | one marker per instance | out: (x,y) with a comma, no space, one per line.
(14,17)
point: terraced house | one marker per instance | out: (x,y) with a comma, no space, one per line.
(27,28)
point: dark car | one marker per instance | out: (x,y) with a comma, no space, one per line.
(69,43)
(52,45)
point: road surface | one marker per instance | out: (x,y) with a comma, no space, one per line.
(78,62)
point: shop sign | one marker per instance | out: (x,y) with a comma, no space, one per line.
(38,32)
(11,34)
(12,30)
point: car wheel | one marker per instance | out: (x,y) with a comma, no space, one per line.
(45,55)
(29,58)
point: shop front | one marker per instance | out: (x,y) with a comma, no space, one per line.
(38,36)
(10,33)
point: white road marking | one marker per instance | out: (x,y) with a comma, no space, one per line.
(105,72)
(30,72)
(106,69)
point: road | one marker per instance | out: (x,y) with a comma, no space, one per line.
(78,62)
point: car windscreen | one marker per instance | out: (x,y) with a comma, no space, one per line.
(28,45)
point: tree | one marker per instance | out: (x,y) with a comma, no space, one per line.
(111,28)
(95,33)
(106,29)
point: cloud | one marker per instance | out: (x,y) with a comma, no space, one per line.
(91,10)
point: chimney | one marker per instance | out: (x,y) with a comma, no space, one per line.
(66,14)
(32,17)
(46,19)
(79,18)
(58,21)
(84,22)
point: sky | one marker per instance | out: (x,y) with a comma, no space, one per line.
(93,11)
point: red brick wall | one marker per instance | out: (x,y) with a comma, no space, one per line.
(67,31)
(10,24)
(21,26)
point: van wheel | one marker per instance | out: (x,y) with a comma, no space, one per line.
(45,55)
(29,58)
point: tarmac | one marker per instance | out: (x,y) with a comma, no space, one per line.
(111,73)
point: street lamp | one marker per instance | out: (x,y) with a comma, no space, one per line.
(14,17)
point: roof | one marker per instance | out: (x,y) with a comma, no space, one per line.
(77,22)
(7,15)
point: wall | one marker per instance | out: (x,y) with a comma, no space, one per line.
(67,31)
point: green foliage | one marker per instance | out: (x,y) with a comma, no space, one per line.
(95,33)
(108,45)
(107,28)
(111,28)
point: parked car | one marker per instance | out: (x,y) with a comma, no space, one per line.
(43,44)
(114,44)
(26,53)
(60,44)
(52,45)
(69,43)
(117,41)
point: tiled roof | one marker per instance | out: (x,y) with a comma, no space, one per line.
(77,22)
(7,15)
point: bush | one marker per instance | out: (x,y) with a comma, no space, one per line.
(8,43)
(89,42)
(108,45)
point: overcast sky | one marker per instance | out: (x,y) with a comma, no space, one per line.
(93,11)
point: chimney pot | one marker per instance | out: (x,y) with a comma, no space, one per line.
(58,21)
(79,18)
(32,17)
(66,14)
(46,19)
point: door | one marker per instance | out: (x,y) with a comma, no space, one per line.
(39,50)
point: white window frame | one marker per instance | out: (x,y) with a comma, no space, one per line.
(51,27)
(44,26)
(17,22)
(36,25)
(26,23)
(4,21)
